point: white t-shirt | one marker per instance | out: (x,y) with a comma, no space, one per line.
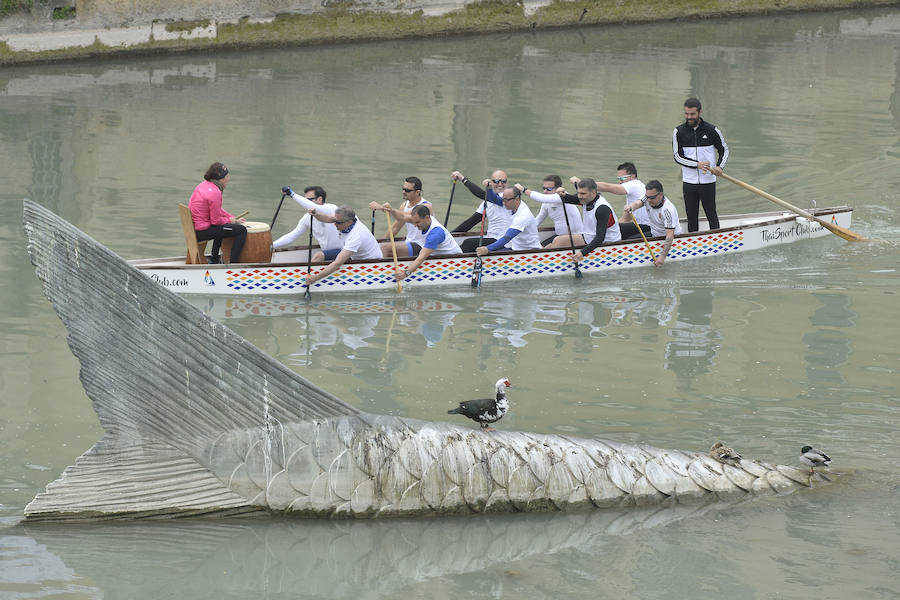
(524,221)
(662,218)
(360,241)
(325,233)
(498,218)
(412,232)
(634,191)
(552,206)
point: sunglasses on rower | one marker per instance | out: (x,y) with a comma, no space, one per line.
(499,180)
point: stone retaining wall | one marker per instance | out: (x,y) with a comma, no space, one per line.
(103,27)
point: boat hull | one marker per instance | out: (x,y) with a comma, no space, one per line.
(740,233)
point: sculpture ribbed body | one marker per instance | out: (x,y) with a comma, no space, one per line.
(370,466)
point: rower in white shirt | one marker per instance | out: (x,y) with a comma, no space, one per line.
(357,242)
(435,240)
(522,233)
(633,189)
(326,235)
(412,197)
(553,207)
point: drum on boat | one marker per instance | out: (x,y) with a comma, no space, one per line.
(257,248)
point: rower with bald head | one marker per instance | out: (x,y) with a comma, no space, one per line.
(498,218)
(522,233)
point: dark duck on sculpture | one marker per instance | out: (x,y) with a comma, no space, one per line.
(486,410)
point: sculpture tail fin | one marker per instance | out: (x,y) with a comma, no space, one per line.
(150,361)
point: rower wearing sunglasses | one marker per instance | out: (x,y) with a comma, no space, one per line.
(498,218)
(357,242)
(628,185)
(415,240)
(566,217)
(661,213)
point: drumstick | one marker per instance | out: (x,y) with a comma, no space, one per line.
(243,214)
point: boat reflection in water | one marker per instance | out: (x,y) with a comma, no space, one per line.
(486,323)
(351,324)
(227,558)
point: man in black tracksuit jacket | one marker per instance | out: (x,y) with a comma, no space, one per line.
(700,148)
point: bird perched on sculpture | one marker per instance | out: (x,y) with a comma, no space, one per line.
(486,410)
(724,454)
(813,458)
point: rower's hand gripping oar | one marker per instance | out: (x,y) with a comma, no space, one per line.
(476,268)
(832,227)
(644,237)
(578,274)
(307,295)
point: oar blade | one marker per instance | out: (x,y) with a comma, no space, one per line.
(845,233)
(476,273)
(832,227)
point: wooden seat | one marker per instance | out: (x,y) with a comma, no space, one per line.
(196,251)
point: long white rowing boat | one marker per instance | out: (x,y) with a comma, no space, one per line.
(286,273)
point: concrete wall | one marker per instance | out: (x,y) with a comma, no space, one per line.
(102,27)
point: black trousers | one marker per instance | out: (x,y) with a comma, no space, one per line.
(629,230)
(470,244)
(696,194)
(217,232)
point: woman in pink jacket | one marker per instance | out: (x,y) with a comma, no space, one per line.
(211,221)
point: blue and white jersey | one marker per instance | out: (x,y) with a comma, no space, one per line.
(413,235)
(438,239)
(523,220)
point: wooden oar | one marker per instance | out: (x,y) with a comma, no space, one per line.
(277,210)
(832,227)
(644,237)
(387,215)
(307,295)
(578,274)
(476,268)
(449,204)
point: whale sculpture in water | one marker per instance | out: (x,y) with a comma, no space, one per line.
(199,421)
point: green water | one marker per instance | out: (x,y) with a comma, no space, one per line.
(767,351)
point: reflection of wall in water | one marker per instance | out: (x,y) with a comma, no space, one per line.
(828,345)
(46,174)
(695,343)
